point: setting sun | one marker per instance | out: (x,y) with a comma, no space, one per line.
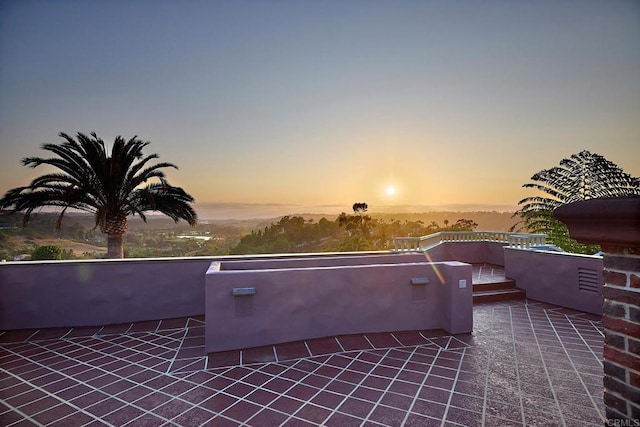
(391,191)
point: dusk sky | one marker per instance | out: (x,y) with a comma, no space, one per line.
(299,106)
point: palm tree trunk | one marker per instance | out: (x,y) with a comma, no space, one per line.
(114,246)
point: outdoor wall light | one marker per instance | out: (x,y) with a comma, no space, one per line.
(240,292)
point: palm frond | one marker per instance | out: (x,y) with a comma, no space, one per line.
(108,185)
(582,176)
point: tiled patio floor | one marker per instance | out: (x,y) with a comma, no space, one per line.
(526,363)
(487,273)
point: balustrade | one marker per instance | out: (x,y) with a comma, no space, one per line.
(515,240)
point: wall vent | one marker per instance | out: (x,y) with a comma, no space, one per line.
(588,280)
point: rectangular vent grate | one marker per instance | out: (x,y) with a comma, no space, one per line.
(588,280)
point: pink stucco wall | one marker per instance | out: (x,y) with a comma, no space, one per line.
(67,294)
(292,304)
(552,277)
(469,252)
(50,294)
(321,261)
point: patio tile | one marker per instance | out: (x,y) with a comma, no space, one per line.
(397,401)
(313,413)
(239,390)
(262,397)
(340,387)
(383,340)
(324,346)
(197,341)
(146,420)
(387,416)
(150,326)
(123,415)
(376,382)
(105,407)
(354,342)
(464,417)
(286,404)
(23,398)
(172,408)
(75,419)
(241,411)
(190,353)
(16,336)
(525,363)
(193,417)
(177,323)
(279,385)
(228,358)
(404,387)
(411,338)
(301,392)
(317,381)
(295,350)
(114,329)
(327,399)
(218,402)
(49,334)
(356,407)
(267,417)
(418,420)
(258,355)
(432,409)
(342,420)
(197,394)
(367,394)
(152,400)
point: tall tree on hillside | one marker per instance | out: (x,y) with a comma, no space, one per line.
(358,227)
(111,187)
(582,176)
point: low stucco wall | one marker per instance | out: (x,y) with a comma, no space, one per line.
(49,294)
(469,252)
(72,294)
(321,261)
(554,277)
(292,304)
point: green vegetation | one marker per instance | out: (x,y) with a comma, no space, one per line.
(108,186)
(46,252)
(580,177)
(348,232)
(161,237)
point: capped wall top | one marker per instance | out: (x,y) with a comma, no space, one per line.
(607,221)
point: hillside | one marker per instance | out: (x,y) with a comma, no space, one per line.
(487,221)
(160,236)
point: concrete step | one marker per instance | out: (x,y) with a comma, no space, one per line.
(494,286)
(499,295)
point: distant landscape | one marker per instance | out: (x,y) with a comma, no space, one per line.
(160,236)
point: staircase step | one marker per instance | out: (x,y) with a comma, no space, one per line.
(494,286)
(499,295)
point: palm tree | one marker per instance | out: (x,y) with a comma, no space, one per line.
(111,187)
(582,176)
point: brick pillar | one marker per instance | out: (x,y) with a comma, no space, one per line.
(615,225)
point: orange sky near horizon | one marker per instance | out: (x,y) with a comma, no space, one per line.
(272,106)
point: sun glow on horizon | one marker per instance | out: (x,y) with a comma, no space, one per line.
(390,191)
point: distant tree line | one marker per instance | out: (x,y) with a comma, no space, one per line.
(348,232)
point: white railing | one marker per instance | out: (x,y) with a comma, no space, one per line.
(514,240)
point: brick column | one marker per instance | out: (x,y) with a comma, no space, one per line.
(615,225)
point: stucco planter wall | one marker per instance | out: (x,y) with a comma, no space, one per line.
(570,280)
(299,303)
(469,252)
